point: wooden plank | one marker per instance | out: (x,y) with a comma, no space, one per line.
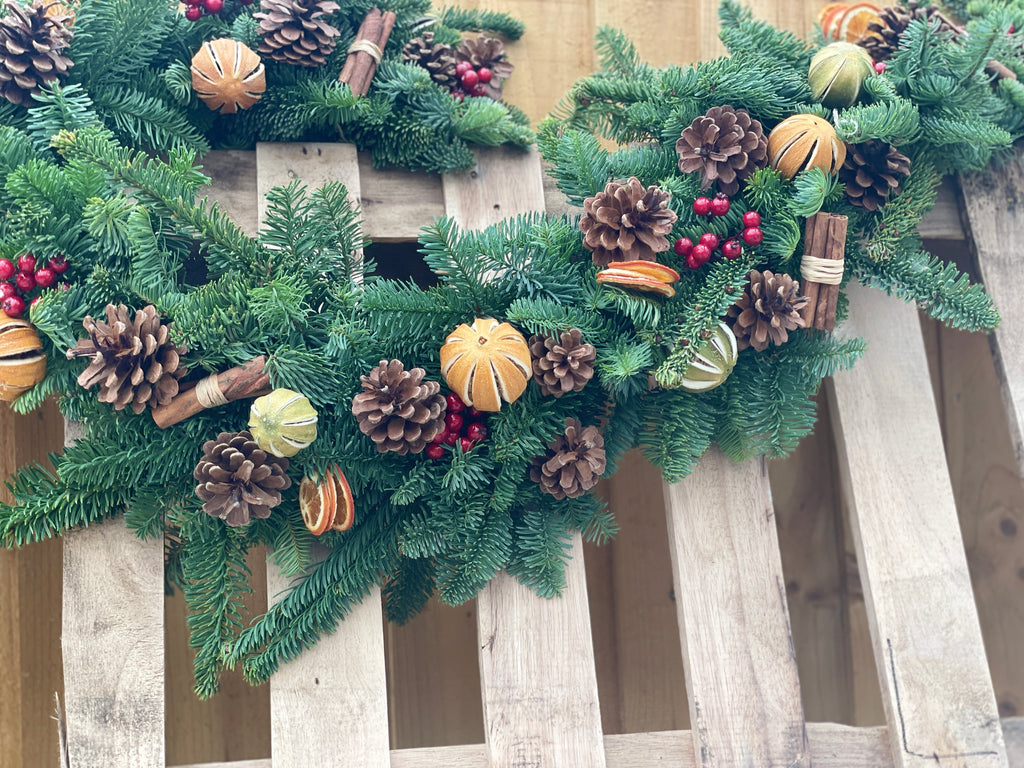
(741,675)
(990,202)
(505,182)
(113,646)
(928,648)
(397,203)
(351,698)
(944,221)
(1013,731)
(233,186)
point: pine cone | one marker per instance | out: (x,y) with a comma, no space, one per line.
(882,39)
(873,170)
(397,409)
(726,144)
(294,32)
(626,222)
(438,60)
(768,309)
(133,361)
(486,52)
(31,41)
(238,480)
(574,462)
(564,364)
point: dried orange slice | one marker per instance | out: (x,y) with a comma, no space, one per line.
(318,503)
(855,21)
(827,9)
(346,506)
(830,22)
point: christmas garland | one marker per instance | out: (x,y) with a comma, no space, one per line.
(431,436)
(404,85)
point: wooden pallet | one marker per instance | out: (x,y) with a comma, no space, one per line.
(536,659)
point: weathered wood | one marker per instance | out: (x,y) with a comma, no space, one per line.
(928,647)
(990,205)
(741,675)
(944,221)
(233,186)
(1013,732)
(396,203)
(505,182)
(312,163)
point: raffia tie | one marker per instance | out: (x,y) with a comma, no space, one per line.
(367,46)
(823,271)
(208,392)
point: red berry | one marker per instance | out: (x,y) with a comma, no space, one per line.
(455,404)
(65,286)
(701,253)
(879,67)
(751,219)
(453,422)
(702,206)
(479,90)
(465,444)
(14,306)
(193,2)
(753,235)
(693,262)
(435,451)
(1012,29)
(683,246)
(451,438)
(193,12)
(473,413)
(462,68)
(45,277)
(439,437)
(720,205)
(7,269)
(459,95)
(476,431)
(469,79)
(7,289)
(214,6)
(27,263)
(26,281)
(484,74)
(732,249)
(59,264)
(710,239)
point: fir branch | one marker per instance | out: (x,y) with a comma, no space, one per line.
(408,589)
(480,20)
(542,547)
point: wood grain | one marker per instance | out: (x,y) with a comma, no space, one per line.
(928,650)
(741,674)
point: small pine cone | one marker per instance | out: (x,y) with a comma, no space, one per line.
(133,361)
(437,59)
(726,145)
(294,32)
(486,52)
(398,409)
(873,170)
(626,223)
(768,309)
(574,462)
(238,480)
(31,45)
(882,38)
(564,364)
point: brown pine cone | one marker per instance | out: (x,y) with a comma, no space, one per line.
(626,222)
(294,31)
(872,170)
(437,59)
(768,309)
(573,464)
(490,53)
(726,145)
(31,45)
(882,39)
(398,410)
(238,480)
(564,364)
(133,361)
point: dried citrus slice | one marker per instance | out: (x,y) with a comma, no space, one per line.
(827,9)
(830,22)
(346,507)
(318,504)
(855,21)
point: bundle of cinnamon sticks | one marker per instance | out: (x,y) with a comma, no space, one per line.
(824,239)
(249,380)
(365,53)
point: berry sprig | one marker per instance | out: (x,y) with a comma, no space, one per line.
(472,80)
(18,281)
(196,9)
(463,426)
(699,254)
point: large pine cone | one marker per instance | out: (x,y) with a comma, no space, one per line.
(574,463)
(872,170)
(294,31)
(238,480)
(31,41)
(626,222)
(726,145)
(437,59)
(882,39)
(563,364)
(133,361)
(768,309)
(486,52)
(397,409)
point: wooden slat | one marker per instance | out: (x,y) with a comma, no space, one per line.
(741,675)
(113,645)
(397,203)
(350,700)
(944,222)
(990,204)
(928,648)
(1013,731)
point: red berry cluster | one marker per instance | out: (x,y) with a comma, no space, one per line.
(700,254)
(21,279)
(472,81)
(462,425)
(194,9)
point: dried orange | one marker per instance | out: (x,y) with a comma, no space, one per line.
(830,10)
(854,24)
(830,22)
(346,507)
(318,503)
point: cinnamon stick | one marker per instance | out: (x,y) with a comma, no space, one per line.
(361,63)
(249,380)
(814,245)
(828,296)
